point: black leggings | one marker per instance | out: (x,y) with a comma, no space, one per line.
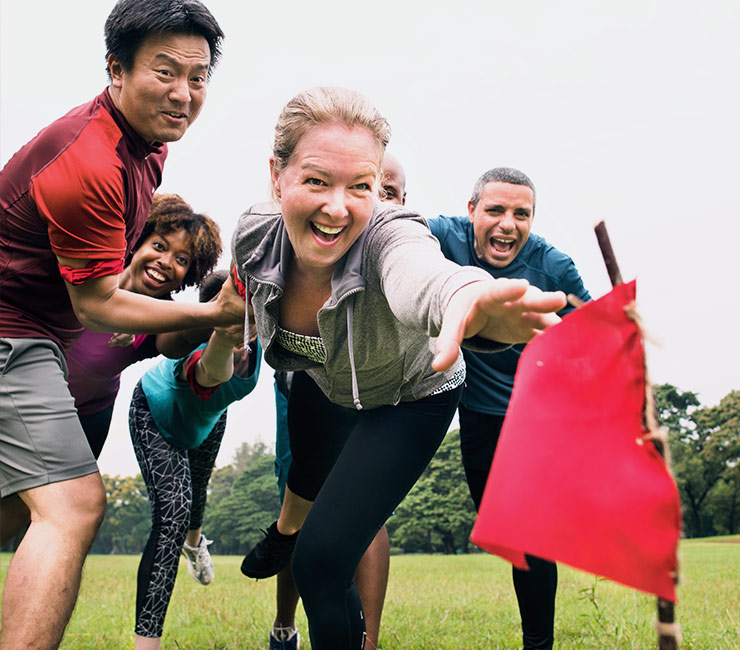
(536,588)
(356,466)
(176,481)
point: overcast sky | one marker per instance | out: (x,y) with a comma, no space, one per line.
(624,111)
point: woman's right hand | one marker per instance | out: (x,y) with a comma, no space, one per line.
(502,310)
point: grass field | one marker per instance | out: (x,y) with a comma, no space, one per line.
(434,602)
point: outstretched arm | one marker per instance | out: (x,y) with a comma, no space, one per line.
(503,310)
(100,305)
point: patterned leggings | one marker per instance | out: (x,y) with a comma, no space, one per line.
(176,480)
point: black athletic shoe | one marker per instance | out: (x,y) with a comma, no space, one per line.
(271,555)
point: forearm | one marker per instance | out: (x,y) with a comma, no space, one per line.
(101,306)
(175,345)
(216,364)
(136,314)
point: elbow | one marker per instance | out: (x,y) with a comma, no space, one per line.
(90,320)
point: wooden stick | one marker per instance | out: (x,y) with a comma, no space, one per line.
(612,268)
(667,634)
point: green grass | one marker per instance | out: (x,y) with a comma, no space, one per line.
(434,602)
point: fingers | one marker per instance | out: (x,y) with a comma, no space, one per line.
(121,340)
(503,310)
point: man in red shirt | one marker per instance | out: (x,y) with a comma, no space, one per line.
(73,202)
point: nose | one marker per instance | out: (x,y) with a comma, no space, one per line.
(180,91)
(336,204)
(165,259)
(507,220)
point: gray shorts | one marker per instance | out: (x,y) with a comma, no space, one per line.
(41,439)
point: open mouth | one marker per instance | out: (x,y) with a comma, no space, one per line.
(174,115)
(325,233)
(156,275)
(502,246)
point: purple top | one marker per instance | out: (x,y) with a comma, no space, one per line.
(95,368)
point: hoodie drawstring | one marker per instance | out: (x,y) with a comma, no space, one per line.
(350,344)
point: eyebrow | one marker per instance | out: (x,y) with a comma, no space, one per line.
(174,62)
(321,170)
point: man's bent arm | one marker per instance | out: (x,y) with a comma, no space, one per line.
(100,305)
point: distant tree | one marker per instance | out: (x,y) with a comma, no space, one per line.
(235,520)
(723,421)
(127,517)
(438,513)
(247,454)
(705,450)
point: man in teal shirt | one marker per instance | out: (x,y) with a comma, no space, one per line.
(496,236)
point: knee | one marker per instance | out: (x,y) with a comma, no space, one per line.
(88,508)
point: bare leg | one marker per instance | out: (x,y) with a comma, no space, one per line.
(293,513)
(287,599)
(147,643)
(192,538)
(44,576)
(14,517)
(371,578)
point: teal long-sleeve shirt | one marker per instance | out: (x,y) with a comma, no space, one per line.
(490,377)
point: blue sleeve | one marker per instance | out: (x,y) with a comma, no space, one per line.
(571,282)
(437,226)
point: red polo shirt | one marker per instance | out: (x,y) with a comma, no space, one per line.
(82,189)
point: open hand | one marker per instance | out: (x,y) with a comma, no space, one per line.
(502,310)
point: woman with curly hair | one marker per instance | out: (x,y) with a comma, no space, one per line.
(177,249)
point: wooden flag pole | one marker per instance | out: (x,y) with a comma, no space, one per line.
(666,625)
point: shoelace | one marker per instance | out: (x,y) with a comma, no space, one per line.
(202,557)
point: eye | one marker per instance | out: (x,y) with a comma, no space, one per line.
(495,209)
(521,214)
(182,261)
(198,81)
(164,72)
(364,187)
(158,245)
(314,181)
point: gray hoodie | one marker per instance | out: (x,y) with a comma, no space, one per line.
(389,293)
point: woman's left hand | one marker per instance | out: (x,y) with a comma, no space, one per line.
(503,310)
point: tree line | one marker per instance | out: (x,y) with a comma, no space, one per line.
(438,515)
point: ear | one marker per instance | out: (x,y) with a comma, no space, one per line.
(116,71)
(403,200)
(274,178)
(471,211)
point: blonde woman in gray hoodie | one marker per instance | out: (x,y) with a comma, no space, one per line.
(356,297)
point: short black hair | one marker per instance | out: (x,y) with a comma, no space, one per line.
(502,175)
(132,21)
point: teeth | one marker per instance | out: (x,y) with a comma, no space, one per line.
(502,241)
(327,229)
(157,275)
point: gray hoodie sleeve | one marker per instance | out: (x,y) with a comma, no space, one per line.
(415,277)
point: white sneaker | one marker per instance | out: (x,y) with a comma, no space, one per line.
(200,565)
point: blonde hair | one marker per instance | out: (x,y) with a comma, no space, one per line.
(325,105)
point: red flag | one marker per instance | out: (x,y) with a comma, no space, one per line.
(572,480)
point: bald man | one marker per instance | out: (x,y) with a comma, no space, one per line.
(393,181)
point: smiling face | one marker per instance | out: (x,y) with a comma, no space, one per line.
(327,193)
(501,220)
(163,93)
(159,265)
